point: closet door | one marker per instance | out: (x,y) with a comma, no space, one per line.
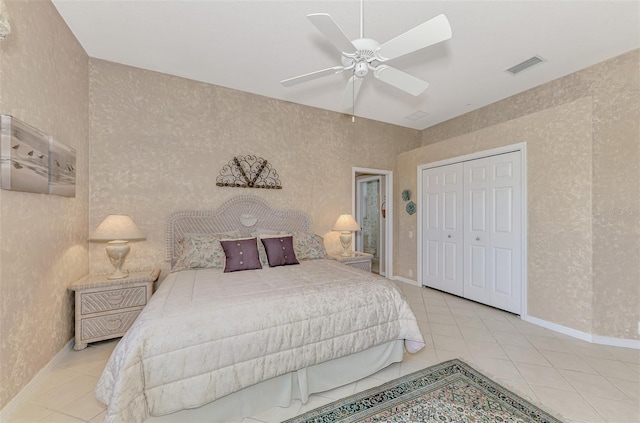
(442,244)
(492,231)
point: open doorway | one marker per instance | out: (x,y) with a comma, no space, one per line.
(372,208)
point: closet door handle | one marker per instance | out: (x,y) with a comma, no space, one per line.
(477,238)
(448,236)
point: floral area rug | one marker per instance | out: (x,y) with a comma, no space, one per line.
(447,392)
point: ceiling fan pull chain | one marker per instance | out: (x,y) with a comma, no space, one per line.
(353,105)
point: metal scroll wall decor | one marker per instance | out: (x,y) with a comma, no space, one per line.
(248,172)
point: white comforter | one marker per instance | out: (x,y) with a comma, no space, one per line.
(205,334)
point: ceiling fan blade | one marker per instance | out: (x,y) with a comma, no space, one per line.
(424,35)
(311,76)
(325,24)
(351,92)
(400,80)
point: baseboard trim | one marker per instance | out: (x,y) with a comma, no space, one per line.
(588,337)
(405,280)
(617,342)
(24,393)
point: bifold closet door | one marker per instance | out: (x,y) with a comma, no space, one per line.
(492,231)
(442,229)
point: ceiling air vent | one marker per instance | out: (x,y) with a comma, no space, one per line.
(514,70)
(416,115)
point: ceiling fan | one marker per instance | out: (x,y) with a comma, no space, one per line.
(361,55)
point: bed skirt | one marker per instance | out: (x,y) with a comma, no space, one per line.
(280,391)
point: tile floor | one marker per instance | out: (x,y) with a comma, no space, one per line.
(581,381)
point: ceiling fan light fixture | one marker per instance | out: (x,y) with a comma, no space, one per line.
(361,69)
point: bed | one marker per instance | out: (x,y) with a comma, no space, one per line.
(236,343)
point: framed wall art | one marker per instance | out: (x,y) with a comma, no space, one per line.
(31,161)
(24,156)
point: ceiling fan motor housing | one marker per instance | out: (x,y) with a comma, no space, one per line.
(363,59)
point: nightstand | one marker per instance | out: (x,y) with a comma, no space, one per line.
(357,259)
(106,308)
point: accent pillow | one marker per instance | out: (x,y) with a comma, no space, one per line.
(199,251)
(308,246)
(280,251)
(263,233)
(241,254)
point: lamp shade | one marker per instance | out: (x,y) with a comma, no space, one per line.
(116,227)
(346,222)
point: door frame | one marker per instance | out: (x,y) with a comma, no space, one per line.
(388,226)
(522,147)
(359,205)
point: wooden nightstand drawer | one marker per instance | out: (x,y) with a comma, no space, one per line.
(108,326)
(115,299)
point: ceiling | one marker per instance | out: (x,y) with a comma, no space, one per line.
(252,45)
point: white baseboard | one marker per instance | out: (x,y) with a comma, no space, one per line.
(595,339)
(588,337)
(405,280)
(22,396)
(617,342)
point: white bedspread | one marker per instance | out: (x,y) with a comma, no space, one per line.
(205,334)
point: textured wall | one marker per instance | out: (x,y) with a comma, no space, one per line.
(616,198)
(44,82)
(583,196)
(558,204)
(158,143)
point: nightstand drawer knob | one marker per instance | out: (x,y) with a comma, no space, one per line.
(115,299)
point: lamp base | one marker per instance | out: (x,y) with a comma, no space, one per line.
(345,240)
(118,274)
(117,251)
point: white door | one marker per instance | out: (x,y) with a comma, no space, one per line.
(492,231)
(442,229)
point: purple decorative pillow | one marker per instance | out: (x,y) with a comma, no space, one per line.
(280,251)
(241,254)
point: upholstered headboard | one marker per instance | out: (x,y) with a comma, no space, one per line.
(244,213)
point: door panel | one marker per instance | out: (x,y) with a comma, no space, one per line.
(442,228)
(478,206)
(504,278)
(503,170)
(450,211)
(477,268)
(493,222)
(433,215)
(503,203)
(433,262)
(450,261)
(477,173)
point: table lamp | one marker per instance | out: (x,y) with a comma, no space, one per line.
(346,224)
(117,230)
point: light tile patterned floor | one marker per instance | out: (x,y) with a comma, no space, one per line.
(583,382)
